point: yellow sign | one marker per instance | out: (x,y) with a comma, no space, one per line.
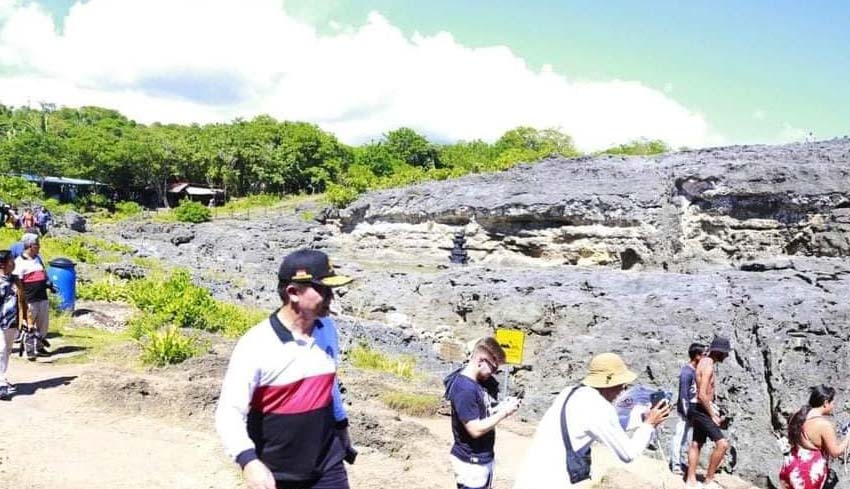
(512,341)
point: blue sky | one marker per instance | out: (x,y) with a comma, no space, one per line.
(717,72)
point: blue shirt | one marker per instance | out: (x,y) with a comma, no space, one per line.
(16,249)
(687,389)
(327,338)
(470,402)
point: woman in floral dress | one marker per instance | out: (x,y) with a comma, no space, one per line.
(813,441)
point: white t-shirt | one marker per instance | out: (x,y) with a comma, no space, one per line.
(589,418)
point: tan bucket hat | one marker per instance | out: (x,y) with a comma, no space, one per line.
(608,370)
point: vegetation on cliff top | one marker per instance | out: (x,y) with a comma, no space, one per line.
(261,155)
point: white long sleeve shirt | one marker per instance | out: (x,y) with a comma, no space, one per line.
(589,418)
(280,400)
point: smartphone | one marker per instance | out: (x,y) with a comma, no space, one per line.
(658,397)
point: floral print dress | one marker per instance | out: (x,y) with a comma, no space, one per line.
(804,468)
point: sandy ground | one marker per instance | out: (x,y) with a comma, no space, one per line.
(53,437)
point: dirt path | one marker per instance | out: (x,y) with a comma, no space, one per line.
(52,437)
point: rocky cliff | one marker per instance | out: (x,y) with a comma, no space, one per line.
(636,255)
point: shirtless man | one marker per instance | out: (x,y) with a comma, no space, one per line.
(703,416)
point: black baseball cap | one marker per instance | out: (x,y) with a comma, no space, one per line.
(310,266)
(720,345)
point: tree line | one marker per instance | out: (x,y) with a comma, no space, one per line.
(261,155)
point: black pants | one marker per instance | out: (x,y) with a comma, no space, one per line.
(333,478)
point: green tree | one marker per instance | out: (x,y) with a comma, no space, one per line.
(639,147)
(411,148)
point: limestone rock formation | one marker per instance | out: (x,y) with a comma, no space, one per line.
(640,256)
(636,255)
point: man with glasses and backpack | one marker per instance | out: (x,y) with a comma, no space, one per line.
(475,414)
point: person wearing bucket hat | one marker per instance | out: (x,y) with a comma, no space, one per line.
(704,417)
(280,413)
(559,455)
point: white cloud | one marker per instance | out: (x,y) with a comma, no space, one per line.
(791,134)
(214,60)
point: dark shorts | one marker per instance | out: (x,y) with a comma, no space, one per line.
(704,427)
(333,478)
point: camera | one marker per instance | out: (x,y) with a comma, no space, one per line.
(659,396)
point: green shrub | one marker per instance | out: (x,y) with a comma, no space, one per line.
(231,319)
(15,190)
(191,211)
(143,324)
(8,237)
(128,208)
(184,303)
(251,202)
(412,404)
(640,147)
(74,248)
(84,249)
(364,357)
(111,289)
(340,196)
(168,346)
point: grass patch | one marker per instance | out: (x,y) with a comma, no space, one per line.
(110,289)
(80,249)
(167,301)
(250,202)
(401,366)
(95,344)
(149,263)
(412,404)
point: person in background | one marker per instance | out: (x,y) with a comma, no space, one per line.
(704,416)
(42,219)
(813,441)
(559,455)
(28,221)
(30,269)
(11,311)
(687,391)
(475,415)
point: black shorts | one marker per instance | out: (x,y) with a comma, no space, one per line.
(703,426)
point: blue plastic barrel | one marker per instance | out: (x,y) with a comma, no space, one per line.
(63,275)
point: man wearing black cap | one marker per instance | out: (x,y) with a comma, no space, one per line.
(704,416)
(278,414)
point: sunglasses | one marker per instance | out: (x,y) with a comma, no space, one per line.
(493,367)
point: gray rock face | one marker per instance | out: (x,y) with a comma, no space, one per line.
(75,221)
(640,256)
(678,211)
(746,241)
(786,325)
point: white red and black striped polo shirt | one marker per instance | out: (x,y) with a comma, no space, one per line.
(277,401)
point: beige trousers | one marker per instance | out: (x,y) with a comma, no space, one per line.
(40,313)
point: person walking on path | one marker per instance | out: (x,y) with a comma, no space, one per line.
(687,390)
(475,415)
(559,455)
(30,269)
(705,417)
(12,309)
(813,441)
(277,414)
